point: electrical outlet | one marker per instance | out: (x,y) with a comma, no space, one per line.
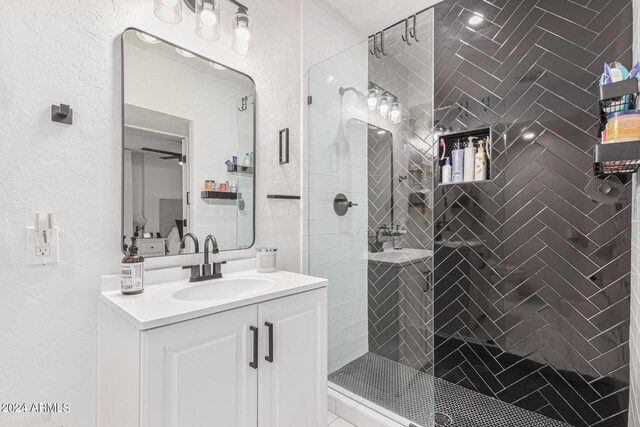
(43,251)
(42,255)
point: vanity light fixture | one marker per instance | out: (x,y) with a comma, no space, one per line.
(242,32)
(147,38)
(185,53)
(169,11)
(476,19)
(207,20)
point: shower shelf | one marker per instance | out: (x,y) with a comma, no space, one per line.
(224,195)
(617,158)
(240,169)
(451,138)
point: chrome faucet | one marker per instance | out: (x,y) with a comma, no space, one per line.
(211,271)
(183,242)
(210,239)
(195,269)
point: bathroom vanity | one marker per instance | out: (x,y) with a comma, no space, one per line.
(246,350)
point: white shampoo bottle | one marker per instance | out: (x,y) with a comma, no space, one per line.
(469,156)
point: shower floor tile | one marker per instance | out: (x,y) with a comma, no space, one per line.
(410,394)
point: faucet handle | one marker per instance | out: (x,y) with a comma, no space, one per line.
(195,270)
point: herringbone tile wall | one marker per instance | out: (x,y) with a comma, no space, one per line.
(532,278)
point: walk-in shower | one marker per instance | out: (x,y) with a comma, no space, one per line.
(503,302)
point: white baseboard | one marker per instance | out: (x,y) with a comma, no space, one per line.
(361,412)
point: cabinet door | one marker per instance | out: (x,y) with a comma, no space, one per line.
(197,374)
(292,385)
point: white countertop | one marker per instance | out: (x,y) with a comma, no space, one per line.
(401,256)
(157,306)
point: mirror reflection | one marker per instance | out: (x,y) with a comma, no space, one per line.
(188,149)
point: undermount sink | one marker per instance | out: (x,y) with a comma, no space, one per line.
(221,289)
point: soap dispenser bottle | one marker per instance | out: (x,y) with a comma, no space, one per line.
(446,171)
(132,277)
(469,162)
(457,163)
(481,163)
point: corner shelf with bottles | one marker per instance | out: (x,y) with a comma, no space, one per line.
(471,140)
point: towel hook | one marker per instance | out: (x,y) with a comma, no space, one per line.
(376,50)
(405,37)
(381,46)
(62,113)
(414,31)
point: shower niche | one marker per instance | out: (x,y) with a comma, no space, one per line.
(457,150)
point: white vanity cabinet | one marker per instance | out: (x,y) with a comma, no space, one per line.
(260,365)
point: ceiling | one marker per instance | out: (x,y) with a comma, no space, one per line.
(371,16)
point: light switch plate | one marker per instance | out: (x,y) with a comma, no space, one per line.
(37,255)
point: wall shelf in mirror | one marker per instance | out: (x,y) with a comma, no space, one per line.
(224,195)
(240,169)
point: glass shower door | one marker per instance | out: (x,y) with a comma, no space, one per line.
(368,226)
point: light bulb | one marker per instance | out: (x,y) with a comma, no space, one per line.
(185,53)
(169,11)
(217,66)
(372,99)
(385,106)
(396,113)
(476,19)
(147,38)
(207,17)
(242,34)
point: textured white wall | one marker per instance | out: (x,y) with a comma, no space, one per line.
(634,335)
(68,51)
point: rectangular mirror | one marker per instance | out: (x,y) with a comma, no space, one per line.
(188,149)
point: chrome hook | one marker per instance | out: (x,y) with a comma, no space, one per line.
(381,45)
(406,36)
(414,31)
(376,49)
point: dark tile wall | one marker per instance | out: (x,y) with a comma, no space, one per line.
(531,276)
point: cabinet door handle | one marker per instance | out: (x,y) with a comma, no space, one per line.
(254,364)
(269,357)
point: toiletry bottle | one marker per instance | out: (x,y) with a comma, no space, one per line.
(481,163)
(446,171)
(469,156)
(251,159)
(246,161)
(457,163)
(132,277)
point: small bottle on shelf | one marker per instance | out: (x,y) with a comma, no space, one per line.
(446,171)
(481,163)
